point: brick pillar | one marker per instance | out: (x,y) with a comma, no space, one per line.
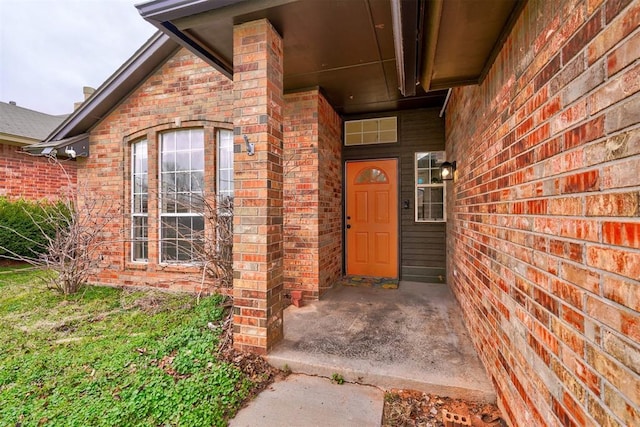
(257,241)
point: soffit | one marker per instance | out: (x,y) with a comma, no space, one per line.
(346,47)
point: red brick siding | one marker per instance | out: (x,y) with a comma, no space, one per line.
(184,89)
(34,178)
(258,279)
(330,197)
(544,239)
(312,194)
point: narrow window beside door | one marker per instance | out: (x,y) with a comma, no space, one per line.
(430,189)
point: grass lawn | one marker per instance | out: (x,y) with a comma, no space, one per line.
(111,357)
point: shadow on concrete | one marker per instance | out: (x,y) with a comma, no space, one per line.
(412,337)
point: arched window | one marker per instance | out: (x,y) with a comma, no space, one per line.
(371,176)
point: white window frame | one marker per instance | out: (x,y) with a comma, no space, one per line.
(139,211)
(224,164)
(191,213)
(434,181)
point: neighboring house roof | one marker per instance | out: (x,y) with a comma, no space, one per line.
(19,125)
(114,90)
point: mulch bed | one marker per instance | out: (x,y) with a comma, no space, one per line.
(418,409)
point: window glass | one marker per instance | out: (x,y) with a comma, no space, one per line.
(181,192)
(381,130)
(430,189)
(225,163)
(371,176)
(139,201)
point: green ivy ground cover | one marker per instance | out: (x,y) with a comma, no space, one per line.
(111,357)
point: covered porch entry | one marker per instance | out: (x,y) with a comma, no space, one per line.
(300,69)
(411,337)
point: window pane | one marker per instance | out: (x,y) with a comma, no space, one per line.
(183,181)
(371,176)
(197,162)
(182,161)
(197,139)
(197,182)
(169,162)
(182,140)
(183,202)
(168,182)
(140,235)
(430,190)
(169,251)
(182,171)
(169,228)
(224,172)
(169,141)
(139,201)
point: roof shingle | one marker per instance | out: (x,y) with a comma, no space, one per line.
(27,123)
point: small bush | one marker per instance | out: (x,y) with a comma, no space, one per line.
(24,227)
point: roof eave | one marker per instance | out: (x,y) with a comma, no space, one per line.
(144,61)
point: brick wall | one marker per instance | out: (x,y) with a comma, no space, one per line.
(544,236)
(330,195)
(34,178)
(184,92)
(312,194)
(258,271)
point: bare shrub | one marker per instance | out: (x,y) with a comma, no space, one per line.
(69,242)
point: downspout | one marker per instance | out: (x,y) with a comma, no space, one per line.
(446,101)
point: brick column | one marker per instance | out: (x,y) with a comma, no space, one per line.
(257,242)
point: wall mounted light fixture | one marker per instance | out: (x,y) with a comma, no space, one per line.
(69,151)
(447,169)
(251,148)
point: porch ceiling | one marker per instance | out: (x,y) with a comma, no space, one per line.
(346,47)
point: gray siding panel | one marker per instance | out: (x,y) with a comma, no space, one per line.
(422,245)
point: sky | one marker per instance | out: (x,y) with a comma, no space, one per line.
(51,49)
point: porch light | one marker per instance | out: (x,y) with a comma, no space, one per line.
(250,146)
(447,169)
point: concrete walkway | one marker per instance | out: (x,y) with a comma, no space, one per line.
(412,337)
(305,401)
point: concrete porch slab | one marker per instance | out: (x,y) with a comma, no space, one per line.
(412,337)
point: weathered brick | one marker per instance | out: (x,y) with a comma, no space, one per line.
(614,260)
(617,30)
(614,204)
(621,233)
(625,410)
(582,37)
(622,174)
(613,8)
(618,146)
(619,87)
(580,182)
(626,383)
(624,292)
(626,352)
(624,55)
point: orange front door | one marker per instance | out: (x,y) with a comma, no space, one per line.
(372,218)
